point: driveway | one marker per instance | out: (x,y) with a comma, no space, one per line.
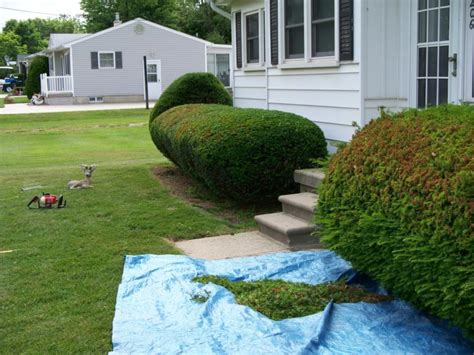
(28,108)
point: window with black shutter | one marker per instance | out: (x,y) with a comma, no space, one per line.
(315,20)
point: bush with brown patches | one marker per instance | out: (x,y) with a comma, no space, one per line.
(248,155)
(398,202)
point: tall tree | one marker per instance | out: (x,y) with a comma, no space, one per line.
(198,19)
(100,14)
(34,33)
(10,46)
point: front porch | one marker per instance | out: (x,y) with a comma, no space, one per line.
(56,85)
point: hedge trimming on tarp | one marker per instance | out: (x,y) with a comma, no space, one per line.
(192,88)
(247,154)
(398,203)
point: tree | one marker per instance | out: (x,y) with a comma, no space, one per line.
(10,46)
(100,14)
(39,65)
(198,19)
(34,33)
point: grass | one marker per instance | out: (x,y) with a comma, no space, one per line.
(279,299)
(19,99)
(60,269)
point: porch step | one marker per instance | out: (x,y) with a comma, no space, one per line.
(288,229)
(309,179)
(300,205)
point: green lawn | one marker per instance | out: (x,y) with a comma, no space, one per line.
(58,285)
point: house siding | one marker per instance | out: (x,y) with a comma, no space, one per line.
(178,55)
(330,97)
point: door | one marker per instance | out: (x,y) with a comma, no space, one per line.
(154,79)
(436,52)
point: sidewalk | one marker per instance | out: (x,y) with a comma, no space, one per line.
(12,109)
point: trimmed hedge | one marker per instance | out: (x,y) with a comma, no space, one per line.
(246,154)
(192,88)
(39,65)
(398,203)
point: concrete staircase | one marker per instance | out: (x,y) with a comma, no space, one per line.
(294,226)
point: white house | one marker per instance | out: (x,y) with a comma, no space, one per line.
(108,66)
(337,62)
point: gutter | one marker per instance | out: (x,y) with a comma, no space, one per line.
(218,10)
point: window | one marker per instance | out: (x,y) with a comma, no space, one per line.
(309,30)
(219,65)
(106,60)
(152,73)
(252,38)
(322,28)
(433,52)
(294,28)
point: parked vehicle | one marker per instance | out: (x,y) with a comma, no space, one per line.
(11,82)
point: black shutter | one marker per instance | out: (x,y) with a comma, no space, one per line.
(118,60)
(94,60)
(346,29)
(238,39)
(274,31)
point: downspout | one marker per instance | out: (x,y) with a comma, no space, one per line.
(218,10)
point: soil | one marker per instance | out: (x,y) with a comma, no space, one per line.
(187,189)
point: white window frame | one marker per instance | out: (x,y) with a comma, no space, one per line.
(308,61)
(260,65)
(106,52)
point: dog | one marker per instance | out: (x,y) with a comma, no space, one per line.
(81,184)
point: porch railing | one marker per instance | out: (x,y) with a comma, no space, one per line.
(55,84)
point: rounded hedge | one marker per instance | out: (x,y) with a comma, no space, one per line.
(398,203)
(39,65)
(246,154)
(192,88)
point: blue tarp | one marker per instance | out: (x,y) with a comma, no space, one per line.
(155,313)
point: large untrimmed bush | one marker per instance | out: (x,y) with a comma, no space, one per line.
(192,88)
(398,202)
(246,154)
(39,65)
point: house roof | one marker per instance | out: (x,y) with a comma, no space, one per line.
(59,39)
(137,20)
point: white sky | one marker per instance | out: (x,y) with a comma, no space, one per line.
(68,7)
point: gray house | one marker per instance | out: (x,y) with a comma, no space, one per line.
(108,66)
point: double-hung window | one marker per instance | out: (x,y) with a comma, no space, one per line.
(253,38)
(106,60)
(322,28)
(309,30)
(254,42)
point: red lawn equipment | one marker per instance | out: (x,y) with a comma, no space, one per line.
(48,201)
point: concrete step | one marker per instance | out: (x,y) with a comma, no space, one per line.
(309,179)
(300,205)
(288,229)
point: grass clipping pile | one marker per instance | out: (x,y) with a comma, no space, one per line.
(279,299)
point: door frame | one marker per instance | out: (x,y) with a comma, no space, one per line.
(159,72)
(456,45)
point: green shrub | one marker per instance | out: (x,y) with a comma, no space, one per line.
(39,65)
(192,88)
(246,154)
(398,202)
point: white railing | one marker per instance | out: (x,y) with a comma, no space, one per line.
(55,84)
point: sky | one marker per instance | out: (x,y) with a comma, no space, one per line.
(68,7)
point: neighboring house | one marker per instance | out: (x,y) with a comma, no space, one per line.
(339,61)
(108,66)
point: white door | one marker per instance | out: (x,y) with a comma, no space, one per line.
(437,52)
(154,79)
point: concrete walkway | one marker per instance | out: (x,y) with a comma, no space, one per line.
(231,246)
(12,109)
